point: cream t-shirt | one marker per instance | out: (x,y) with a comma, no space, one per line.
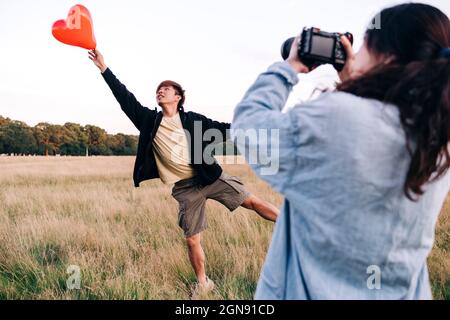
(170,147)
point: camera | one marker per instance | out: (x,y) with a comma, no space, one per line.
(318,47)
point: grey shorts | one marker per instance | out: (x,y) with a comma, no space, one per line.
(191,197)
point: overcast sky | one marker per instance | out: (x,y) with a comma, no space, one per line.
(215,49)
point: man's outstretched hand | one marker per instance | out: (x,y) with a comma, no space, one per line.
(98,60)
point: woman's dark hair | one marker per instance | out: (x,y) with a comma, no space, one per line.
(178,89)
(417,81)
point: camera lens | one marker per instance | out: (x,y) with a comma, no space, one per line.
(286,48)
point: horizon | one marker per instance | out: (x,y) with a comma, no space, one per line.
(62,124)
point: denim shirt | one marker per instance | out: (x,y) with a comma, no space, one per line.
(346,229)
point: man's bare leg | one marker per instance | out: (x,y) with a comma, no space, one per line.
(265,209)
(197,257)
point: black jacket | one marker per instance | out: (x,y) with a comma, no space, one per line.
(147,122)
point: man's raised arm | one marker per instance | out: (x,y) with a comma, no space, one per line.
(223,127)
(128,102)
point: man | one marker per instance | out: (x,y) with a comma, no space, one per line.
(169,149)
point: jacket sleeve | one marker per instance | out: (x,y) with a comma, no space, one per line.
(259,116)
(223,127)
(128,102)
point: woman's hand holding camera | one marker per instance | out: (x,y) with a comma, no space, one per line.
(294,60)
(348,72)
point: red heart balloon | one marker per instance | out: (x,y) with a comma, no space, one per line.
(77,29)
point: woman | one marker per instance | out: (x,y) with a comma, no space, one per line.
(364,169)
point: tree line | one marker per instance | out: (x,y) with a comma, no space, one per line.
(73,139)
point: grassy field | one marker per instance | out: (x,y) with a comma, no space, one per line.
(56,212)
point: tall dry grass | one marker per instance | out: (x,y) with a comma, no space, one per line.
(56,212)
